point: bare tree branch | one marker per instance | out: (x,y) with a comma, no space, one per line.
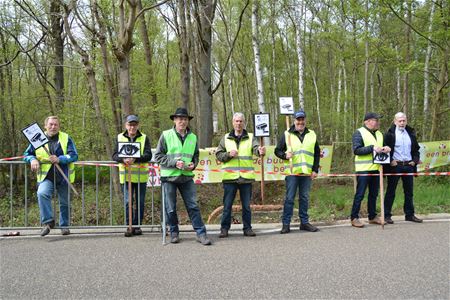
(151,7)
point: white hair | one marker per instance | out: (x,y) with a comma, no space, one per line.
(239,115)
(399,115)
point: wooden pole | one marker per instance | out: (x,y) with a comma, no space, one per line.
(261,141)
(382,196)
(289,144)
(130,202)
(62,173)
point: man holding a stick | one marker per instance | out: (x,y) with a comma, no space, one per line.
(177,154)
(299,144)
(236,150)
(367,140)
(138,168)
(59,151)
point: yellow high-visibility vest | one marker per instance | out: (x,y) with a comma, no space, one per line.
(303,152)
(243,162)
(365,162)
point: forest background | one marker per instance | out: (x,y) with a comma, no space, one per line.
(93,62)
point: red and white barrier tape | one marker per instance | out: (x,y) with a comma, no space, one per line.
(156,167)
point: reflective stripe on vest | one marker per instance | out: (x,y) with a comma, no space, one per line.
(303,159)
(41,154)
(139,171)
(365,162)
(243,162)
(178,151)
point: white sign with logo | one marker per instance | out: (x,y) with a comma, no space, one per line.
(129,150)
(381,158)
(286,105)
(35,135)
(262,125)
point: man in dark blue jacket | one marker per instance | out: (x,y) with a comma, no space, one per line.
(404,159)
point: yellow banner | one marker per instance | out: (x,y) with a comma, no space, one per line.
(434,154)
(209,168)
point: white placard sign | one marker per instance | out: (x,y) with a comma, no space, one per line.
(381,158)
(35,135)
(129,150)
(286,105)
(262,125)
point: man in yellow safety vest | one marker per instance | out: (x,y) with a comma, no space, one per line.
(236,150)
(177,154)
(139,170)
(366,140)
(62,152)
(299,144)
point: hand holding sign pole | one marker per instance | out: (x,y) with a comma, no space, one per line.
(37,138)
(129,151)
(381,158)
(287,108)
(261,130)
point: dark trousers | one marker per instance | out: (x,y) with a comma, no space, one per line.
(408,185)
(373,182)
(245,192)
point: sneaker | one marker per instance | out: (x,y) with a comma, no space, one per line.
(223,233)
(45,230)
(249,232)
(388,220)
(308,227)
(413,218)
(51,224)
(357,223)
(65,231)
(174,238)
(285,229)
(203,239)
(137,231)
(376,221)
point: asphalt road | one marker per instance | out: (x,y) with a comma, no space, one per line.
(405,260)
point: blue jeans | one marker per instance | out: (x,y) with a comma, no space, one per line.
(189,194)
(137,192)
(408,186)
(245,192)
(44,194)
(303,184)
(373,182)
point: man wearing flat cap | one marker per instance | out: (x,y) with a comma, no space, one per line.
(299,144)
(139,170)
(177,154)
(366,140)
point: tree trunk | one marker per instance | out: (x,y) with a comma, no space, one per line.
(405,104)
(151,76)
(426,76)
(56,32)
(184,48)
(204,14)
(299,48)
(256,53)
(366,55)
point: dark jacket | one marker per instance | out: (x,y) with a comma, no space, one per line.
(280,149)
(146,155)
(358,143)
(223,156)
(389,139)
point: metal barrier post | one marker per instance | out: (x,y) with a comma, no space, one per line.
(96,194)
(26,195)
(163,196)
(82,196)
(11,195)
(110,197)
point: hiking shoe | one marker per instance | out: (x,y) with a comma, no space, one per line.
(285,229)
(388,220)
(223,233)
(413,218)
(249,232)
(357,223)
(137,231)
(308,227)
(128,233)
(65,231)
(376,221)
(45,230)
(51,224)
(174,238)
(203,239)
